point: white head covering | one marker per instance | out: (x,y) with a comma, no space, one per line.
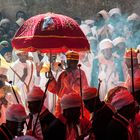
(122,98)
(5,20)
(89,21)
(105,44)
(85,28)
(114,11)
(35,94)
(133,16)
(118,40)
(89,93)
(16,112)
(104,13)
(20,22)
(138,47)
(71,100)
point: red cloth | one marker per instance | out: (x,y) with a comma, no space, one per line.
(50,33)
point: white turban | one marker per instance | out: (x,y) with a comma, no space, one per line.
(89,93)
(35,94)
(138,47)
(16,112)
(71,100)
(86,29)
(5,20)
(133,16)
(114,11)
(122,98)
(104,14)
(118,40)
(105,44)
(89,21)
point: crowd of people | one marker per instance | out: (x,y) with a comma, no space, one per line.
(96,100)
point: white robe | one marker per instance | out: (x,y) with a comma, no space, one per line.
(108,75)
(31,76)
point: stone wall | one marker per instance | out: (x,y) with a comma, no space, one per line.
(82,8)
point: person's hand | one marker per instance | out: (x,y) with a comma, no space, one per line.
(49,75)
(39,67)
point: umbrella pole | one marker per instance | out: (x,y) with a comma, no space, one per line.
(50,61)
(99,85)
(82,108)
(98,91)
(10,82)
(132,73)
(41,105)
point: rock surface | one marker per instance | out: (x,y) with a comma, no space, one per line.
(84,9)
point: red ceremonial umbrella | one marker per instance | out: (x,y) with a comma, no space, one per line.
(50,33)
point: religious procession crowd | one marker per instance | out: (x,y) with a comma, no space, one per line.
(78,96)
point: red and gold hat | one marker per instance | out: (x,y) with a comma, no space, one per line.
(128,53)
(72,55)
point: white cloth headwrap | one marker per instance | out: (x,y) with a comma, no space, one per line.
(122,98)
(104,13)
(133,16)
(85,28)
(16,112)
(70,100)
(118,40)
(114,11)
(105,44)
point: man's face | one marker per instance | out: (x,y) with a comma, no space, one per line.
(121,48)
(99,20)
(72,114)
(8,56)
(23,57)
(34,106)
(72,64)
(107,53)
(21,15)
(6,25)
(16,127)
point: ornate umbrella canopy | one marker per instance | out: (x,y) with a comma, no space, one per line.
(50,33)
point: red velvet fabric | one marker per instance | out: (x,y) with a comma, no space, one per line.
(61,34)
